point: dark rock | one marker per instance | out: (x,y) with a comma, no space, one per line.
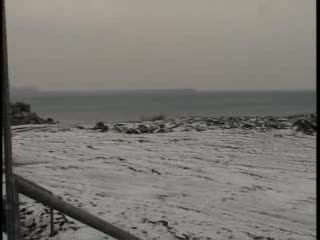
(305,126)
(217,122)
(199,129)
(273,124)
(248,125)
(271,119)
(100,126)
(50,121)
(120,128)
(143,128)
(33,118)
(278,135)
(153,129)
(133,131)
(260,123)
(20,107)
(154,171)
(285,125)
(20,113)
(233,124)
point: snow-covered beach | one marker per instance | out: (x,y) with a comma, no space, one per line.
(208,184)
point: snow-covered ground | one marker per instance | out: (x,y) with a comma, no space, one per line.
(214,184)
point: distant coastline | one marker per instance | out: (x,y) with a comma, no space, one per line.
(18,92)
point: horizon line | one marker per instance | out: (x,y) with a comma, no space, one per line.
(33,89)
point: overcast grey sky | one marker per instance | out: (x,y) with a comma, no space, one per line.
(143,44)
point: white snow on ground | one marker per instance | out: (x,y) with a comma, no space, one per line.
(216,184)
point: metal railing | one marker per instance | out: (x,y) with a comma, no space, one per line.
(47,198)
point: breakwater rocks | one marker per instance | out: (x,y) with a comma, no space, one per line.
(306,124)
(20,114)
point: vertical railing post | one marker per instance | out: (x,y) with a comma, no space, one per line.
(11,203)
(52,231)
(16,211)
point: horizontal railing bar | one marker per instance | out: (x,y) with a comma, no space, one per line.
(46,197)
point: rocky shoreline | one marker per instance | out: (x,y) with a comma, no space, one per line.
(305,123)
(21,114)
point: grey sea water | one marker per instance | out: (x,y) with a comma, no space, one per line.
(88,108)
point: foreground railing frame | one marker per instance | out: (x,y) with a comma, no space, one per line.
(42,195)
(11,205)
